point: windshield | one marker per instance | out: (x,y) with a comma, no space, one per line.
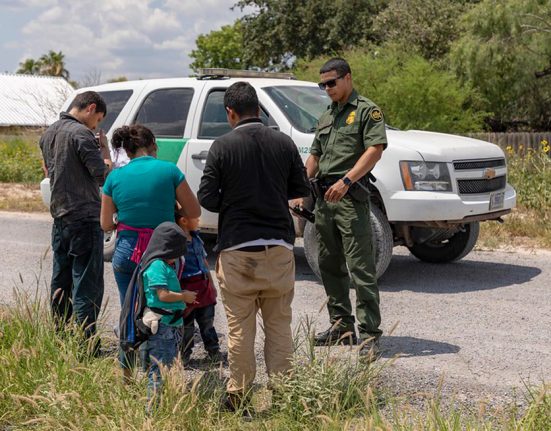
(115,101)
(302,106)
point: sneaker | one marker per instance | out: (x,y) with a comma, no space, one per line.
(335,336)
(370,351)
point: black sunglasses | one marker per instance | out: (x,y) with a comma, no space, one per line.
(331,83)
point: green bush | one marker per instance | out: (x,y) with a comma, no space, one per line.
(20,161)
(412,92)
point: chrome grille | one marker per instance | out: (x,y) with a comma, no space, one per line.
(481,185)
(463,165)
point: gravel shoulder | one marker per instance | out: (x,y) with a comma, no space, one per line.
(475,331)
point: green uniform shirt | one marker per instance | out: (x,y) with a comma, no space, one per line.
(160,275)
(345,132)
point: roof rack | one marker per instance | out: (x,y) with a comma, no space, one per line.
(221,73)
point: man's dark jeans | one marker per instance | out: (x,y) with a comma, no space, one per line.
(77,278)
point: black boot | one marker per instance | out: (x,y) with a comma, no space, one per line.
(336,336)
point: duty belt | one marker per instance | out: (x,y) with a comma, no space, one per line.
(321,185)
(358,191)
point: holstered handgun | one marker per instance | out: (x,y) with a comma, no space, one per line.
(315,186)
(359,191)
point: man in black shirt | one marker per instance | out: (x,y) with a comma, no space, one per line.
(250,175)
(77,167)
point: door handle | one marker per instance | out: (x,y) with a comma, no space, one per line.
(200,156)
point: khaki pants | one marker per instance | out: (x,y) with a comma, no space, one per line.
(249,282)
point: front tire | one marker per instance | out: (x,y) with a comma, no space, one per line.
(381,234)
(109,240)
(450,249)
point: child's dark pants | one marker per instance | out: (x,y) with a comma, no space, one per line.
(205,319)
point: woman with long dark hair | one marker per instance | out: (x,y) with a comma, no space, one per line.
(143,195)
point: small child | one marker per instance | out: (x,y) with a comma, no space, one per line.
(196,278)
(162,290)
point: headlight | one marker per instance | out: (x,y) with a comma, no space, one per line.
(423,176)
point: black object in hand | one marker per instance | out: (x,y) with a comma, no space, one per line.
(304,213)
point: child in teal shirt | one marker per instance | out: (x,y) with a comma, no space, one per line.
(162,290)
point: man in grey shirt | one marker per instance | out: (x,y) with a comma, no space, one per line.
(77,165)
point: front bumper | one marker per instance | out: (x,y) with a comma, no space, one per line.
(411,206)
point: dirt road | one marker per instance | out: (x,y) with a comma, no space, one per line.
(481,325)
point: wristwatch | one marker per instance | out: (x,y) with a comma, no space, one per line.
(346,181)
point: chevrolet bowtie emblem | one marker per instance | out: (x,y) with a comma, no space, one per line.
(489,173)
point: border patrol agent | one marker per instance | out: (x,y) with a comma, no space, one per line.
(350,139)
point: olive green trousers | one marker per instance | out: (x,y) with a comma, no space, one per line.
(347,257)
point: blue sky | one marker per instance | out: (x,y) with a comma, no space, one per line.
(110,38)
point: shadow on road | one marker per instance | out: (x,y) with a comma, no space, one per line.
(410,346)
(408,273)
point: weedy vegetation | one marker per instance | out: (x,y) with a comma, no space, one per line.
(529,224)
(48,381)
(20,159)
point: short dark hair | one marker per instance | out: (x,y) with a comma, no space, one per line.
(340,65)
(242,98)
(83,100)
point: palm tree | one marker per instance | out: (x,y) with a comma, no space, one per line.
(29,67)
(53,64)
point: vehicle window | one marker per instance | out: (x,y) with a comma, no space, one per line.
(165,112)
(115,101)
(214,122)
(302,106)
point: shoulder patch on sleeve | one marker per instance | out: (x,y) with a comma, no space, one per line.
(376,114)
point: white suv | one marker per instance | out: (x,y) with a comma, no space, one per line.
(431,189)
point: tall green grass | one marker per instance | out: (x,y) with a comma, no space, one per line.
(47,382)
(530,174)
(530,223)
(20,160)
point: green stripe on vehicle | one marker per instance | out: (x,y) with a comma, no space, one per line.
(170,148)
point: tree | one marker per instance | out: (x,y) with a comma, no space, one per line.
(427,26)
(412,92)
(29,67)
(538,23)
(91,78)
(279,31)
(220,48)
(53,64)
(505,52)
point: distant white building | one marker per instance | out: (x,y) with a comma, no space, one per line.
(31,100)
